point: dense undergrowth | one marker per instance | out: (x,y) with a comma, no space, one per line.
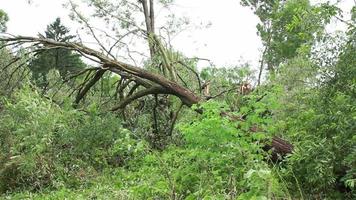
(52,152)
(50,148)
(62,138)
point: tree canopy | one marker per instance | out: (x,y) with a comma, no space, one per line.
(64,60)
(3,19)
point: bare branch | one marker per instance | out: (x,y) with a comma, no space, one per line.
(90,29)
(115,66)
(194,72)
(87,87)
(139,94)
(175,117)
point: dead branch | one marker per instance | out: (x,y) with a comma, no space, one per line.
(153,90)
(87,87)
(115,66)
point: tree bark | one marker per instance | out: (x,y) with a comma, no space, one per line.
(148,11)
(87,87)
(278,146)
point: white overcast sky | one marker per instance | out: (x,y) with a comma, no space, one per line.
(231,37)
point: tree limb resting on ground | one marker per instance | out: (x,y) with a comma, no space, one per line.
(115,66)
(154,83)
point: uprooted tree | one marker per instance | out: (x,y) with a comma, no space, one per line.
(138,81)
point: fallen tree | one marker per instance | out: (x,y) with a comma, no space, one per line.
(153,84)
(138,80)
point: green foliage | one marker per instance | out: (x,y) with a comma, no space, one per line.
(64,60)
(3,19)
(45,146)
(48,150)
(289,27)
(217,161)
(12,76)
(318,116)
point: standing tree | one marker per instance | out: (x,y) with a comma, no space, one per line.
(288,27)
(62,59)
(3,19)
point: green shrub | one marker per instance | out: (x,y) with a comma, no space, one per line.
(43,145)
(319,119)
(217,161)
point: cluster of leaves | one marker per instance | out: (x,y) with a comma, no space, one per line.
(318,117)
(3,19)
(288,27)
(315,83)
(44,145)
(64,60)
(216,161)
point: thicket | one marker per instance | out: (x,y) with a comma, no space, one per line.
(63,134)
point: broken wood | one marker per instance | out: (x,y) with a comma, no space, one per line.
(279,147)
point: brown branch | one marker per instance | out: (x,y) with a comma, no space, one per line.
(122,37)
(87,87)
(175,117)
(194,72)
(187,96)
(81,86)
(345,22)
(221,93)
(152,16)
(80,73)
(132,90)
(90,29)
(153,90)
(14,60)
(181,79)
(13,72)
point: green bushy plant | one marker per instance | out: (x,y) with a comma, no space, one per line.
(43,145)
(217,161)
(318,118)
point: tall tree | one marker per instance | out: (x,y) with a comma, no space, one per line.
(288,27)
(62,59)
(3,19)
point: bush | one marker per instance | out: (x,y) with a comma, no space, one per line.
(44,145)
(318,117)
(216,162)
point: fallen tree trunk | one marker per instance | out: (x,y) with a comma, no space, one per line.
(154,83)
(115,66)
(279,147)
